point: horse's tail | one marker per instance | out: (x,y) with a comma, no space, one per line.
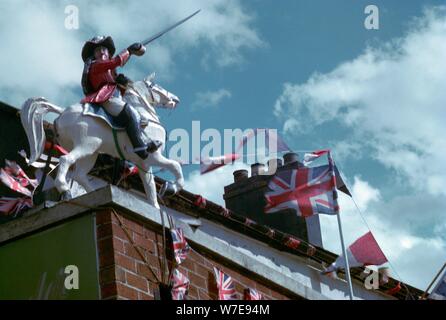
(31,115)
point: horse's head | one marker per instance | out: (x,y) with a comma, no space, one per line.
(148,92)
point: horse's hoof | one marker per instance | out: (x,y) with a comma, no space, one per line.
(66,195)
(168,189)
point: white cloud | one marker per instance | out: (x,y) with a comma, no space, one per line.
(391,98)
(40,57)
(391,101)
(211,185)
(346,150)
(210,99)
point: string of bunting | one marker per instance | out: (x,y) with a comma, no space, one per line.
(15,179)
(180,283)
(285,239)
(295,244)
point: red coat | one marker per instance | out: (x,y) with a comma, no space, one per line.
(101,76)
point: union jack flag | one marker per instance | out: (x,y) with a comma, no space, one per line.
(130,169)
(226,288)
(292,243)
(309,191)
(251,294)
(14,205)
(180,246)
(180,285)
(13,176)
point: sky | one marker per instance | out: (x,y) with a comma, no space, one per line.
(309,69)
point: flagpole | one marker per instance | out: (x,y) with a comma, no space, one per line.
(423,296)
(344,252)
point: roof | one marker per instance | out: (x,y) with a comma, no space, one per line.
(196,206)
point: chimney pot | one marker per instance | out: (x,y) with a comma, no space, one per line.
(275,162)
(240,175)
(290,157)
(257,168)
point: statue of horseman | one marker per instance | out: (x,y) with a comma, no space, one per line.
(107,120)
(102,85)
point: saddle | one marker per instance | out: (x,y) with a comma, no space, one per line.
(95,110)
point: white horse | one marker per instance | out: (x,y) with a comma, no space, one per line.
(85,136)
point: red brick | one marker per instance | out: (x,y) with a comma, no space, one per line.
(130,251)
(154,261)
(149,234)
(263,289)
(188,264)
(106,258)
(136,281)
(143,296)
(119,232)
(144,271)
(213,295)
(103,217)
(208,264)
(133,225)
(104,231)
(193,292)
(107,275)
(105,244)
(125,262)
(108,291)
(203,295)
(197,281)
(238,287)
(247,283)
(202,271)
(196,258)
(152,287)
(119,274)
(144,243)
(118,245)
(277,296)
(126,292)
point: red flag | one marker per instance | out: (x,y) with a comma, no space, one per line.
(15,183)
(270,135)
(14,205)
(366,251)
(212,163)
(363,252)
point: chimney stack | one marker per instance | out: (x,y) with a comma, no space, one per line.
(246,196)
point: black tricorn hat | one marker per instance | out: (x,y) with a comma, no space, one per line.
(90,46)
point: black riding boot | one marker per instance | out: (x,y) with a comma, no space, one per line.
(129,119)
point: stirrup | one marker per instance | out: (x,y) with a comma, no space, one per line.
(168,189)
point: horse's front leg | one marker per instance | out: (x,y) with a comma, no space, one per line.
(148,181)
(157,159)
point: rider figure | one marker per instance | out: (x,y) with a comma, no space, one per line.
(100,81)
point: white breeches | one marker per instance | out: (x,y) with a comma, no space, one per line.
(114,105)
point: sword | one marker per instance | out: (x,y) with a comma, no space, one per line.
(159,34)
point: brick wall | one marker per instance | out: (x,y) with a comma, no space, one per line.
(124,275)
